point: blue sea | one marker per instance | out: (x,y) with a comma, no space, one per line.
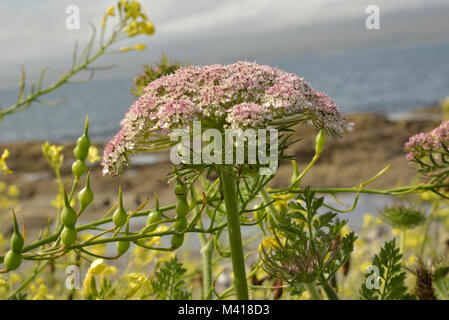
(394,79)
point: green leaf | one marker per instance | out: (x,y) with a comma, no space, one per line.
(390,279)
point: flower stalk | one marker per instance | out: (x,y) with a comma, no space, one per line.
(235,236)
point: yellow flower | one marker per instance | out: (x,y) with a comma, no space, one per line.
(14,277)
(135,282)
(364,266)
(98,249)
(411,260)
(268,243)
(58,201)
(40,293)
(147,28)
(93,155)
(97,267)
(3,167)
(13,191)
(53,154)
(395,231)
(345,230)
(412,242)
(109,13)
(140,47)
(367,220)
(132,29)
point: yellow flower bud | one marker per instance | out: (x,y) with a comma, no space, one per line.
(111,11)
(126,49)
(140,47)
(3,167)
(148,28)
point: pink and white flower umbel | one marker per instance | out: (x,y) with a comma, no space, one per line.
(237,96)
(425,143)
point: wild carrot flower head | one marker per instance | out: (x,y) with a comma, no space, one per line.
(424,144)
(239,95)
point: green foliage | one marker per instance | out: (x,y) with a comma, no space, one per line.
(168,283)
(402,217)
(162,68)
(390,285)
(308,245)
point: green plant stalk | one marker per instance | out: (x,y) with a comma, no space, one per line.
(235,236)
(330,292)
(303,173)
(271,208)
(310,286)
(441,288)
(402,236)
(29,279)
(393,191)
(206,252)
(435,205)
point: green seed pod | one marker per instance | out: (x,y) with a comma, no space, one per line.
(182,207)
(68,215)
(153,217)
(181,224)
(122,247)
(13,260)
(319,142)
(86,196)
(83,144)
(120,216)
(68,236)
(79,168)
(180,189)
(177,240)
(17,240)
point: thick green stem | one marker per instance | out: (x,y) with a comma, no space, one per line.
(206,251)
(235,237)
(330,292)
(312,290)
(441,289)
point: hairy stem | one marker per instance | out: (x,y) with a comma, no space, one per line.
(330,292)
(312,290)
(206,252)
(235,237)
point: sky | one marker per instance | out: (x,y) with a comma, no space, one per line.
(33,33)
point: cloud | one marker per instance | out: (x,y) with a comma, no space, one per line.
(34,33)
